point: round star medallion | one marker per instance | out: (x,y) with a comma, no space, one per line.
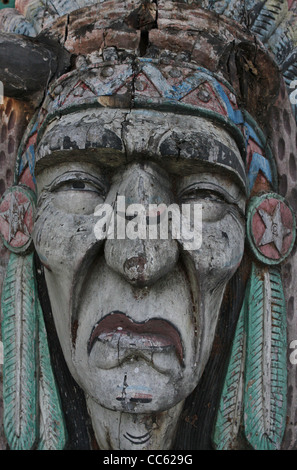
(271,228)
(17,207)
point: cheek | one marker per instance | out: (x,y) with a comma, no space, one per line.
(52,237)
(62,240)
(222,247)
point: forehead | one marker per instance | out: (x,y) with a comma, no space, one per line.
(181,144)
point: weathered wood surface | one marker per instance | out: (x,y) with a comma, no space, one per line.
(26,67)
(150,28)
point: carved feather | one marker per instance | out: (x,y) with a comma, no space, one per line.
(266,373)
(231,403)
(52,428)
(19,328)
(269,18)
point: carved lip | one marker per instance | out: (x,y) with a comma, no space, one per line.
(119,330)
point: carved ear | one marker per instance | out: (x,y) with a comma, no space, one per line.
(254,75)
(27,65)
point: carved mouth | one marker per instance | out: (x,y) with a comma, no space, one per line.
(120,331)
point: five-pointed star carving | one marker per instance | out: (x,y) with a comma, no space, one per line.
(15,216)
(275,230)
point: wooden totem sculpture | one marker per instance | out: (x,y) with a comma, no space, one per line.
(117,335)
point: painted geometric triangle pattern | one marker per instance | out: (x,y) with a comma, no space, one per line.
(273,21)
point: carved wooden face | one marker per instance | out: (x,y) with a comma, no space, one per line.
(136,317)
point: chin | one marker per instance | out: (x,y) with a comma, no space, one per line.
(137,387)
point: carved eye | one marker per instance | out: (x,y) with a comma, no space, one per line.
(78,193)
(78,184)
(216,202)
(202,194)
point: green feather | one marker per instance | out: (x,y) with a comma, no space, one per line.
(52,428)
(266,369)
(231,403)
(19,331)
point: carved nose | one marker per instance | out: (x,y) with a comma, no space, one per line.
(135,265)
(141,263)
(134,268)
(141,255)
